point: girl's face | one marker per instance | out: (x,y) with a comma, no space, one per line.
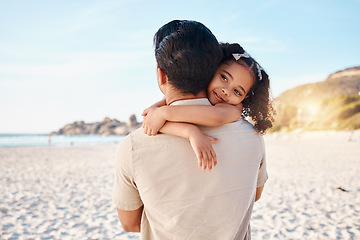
(230,84)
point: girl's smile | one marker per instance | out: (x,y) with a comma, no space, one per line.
(217,96)
(230,84)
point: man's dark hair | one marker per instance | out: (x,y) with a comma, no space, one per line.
(188,53)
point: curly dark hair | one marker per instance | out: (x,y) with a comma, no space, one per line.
(258,105)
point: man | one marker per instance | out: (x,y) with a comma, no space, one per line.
(159,189)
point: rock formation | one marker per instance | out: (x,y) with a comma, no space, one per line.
(106,127)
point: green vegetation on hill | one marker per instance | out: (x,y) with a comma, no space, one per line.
(333,104)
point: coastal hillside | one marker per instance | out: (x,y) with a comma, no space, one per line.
(333,104)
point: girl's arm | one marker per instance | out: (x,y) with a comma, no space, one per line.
(156,116)
(204,115)
(200,142)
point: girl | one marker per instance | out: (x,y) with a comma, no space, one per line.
(240,87)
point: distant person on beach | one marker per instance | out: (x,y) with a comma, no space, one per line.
(159,190)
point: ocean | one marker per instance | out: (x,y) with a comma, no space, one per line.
(31,140)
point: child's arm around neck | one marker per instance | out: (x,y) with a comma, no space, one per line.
(176,120)
(205,115)
(212,116)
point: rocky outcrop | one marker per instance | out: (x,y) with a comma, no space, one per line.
(106,127)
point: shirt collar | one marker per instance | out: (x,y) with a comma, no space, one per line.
(193,101)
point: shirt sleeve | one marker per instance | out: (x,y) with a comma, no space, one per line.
(125,193)
(262,175)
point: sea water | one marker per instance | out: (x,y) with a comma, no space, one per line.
(29,140)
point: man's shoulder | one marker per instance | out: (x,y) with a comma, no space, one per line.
(126,145)
(242,123)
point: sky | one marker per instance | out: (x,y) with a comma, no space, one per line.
(66,61)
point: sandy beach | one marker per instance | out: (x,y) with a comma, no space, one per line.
(65,192)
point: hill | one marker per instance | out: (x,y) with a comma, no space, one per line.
(333,104)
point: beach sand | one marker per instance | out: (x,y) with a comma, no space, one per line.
(58,193)
(313,191)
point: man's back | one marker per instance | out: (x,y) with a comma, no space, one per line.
(180,200)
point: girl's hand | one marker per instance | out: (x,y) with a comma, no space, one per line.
(201,144)
(153,120)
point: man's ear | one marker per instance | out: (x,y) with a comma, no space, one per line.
(161,77)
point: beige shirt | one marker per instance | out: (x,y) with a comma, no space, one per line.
(180,200)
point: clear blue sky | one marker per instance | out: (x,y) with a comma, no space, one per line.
(62,61)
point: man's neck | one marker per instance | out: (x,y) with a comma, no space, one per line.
(177,96)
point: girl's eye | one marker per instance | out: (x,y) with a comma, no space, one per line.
(224,78)
(237,92)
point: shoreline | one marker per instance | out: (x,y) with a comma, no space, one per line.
(29,140)
(61,146)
